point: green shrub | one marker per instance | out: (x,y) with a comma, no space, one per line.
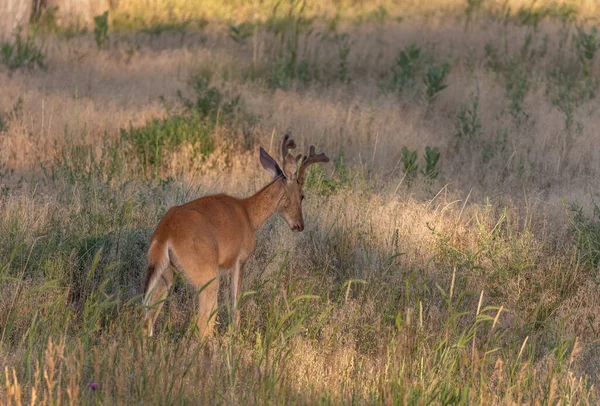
(343,53)
(287,22)
(492,57)
(432,156)
(468,123)
(14,112)
(472,7)
(497,146)
(195,126)
(586,46)
(159,136)
(517,70)
(517,83)
(101,30)
(22,53)
(530,16)
(179,27)
(408,63)
(434,79)
(82,164)
(379,15)
(210,103)
(409,160)
(587,231)
(240,32)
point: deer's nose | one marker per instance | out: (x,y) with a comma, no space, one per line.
(298,227)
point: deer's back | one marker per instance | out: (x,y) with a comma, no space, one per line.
(216,227)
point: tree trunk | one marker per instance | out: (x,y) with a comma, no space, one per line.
(14,14)
(76,13)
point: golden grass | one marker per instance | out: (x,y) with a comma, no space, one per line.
(469,288)
(149,12)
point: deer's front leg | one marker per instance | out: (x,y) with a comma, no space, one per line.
(237,275)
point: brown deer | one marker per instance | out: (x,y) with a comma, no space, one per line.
(216,233)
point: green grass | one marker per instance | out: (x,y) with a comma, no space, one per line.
(435,267)
(73,311)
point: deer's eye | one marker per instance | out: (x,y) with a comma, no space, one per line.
(301,197)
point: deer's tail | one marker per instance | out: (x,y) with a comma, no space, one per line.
(158,261)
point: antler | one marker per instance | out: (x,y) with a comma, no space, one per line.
(312,158)
(286,145)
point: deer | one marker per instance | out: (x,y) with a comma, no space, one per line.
(215,235)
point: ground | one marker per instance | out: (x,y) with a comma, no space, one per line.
(451,246)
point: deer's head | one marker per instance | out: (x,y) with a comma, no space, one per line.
(292,178)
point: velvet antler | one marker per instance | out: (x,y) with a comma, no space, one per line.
(312,158)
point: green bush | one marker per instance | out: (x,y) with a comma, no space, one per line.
(432,156)
(587,231)
(586,46)
(101,30)
(468,123)
(289,62)
(518,71)
(240,32)
(343,52)
(434,79)
(408,63)
(409,160)
(158,136)
(13,113)
(210,103)
(21,53)
(517,83)
(195,126)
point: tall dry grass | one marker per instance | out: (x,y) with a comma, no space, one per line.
(475,286)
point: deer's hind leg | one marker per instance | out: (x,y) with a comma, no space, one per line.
(202,272)
(207,309)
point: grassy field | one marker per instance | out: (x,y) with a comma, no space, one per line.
(451,249)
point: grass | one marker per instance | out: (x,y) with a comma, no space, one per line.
(451,248)
(133,13)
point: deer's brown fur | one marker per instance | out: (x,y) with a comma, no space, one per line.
(216,233)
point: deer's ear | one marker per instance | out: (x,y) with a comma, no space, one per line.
(269,164)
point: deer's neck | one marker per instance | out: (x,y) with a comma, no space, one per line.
(264,203)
